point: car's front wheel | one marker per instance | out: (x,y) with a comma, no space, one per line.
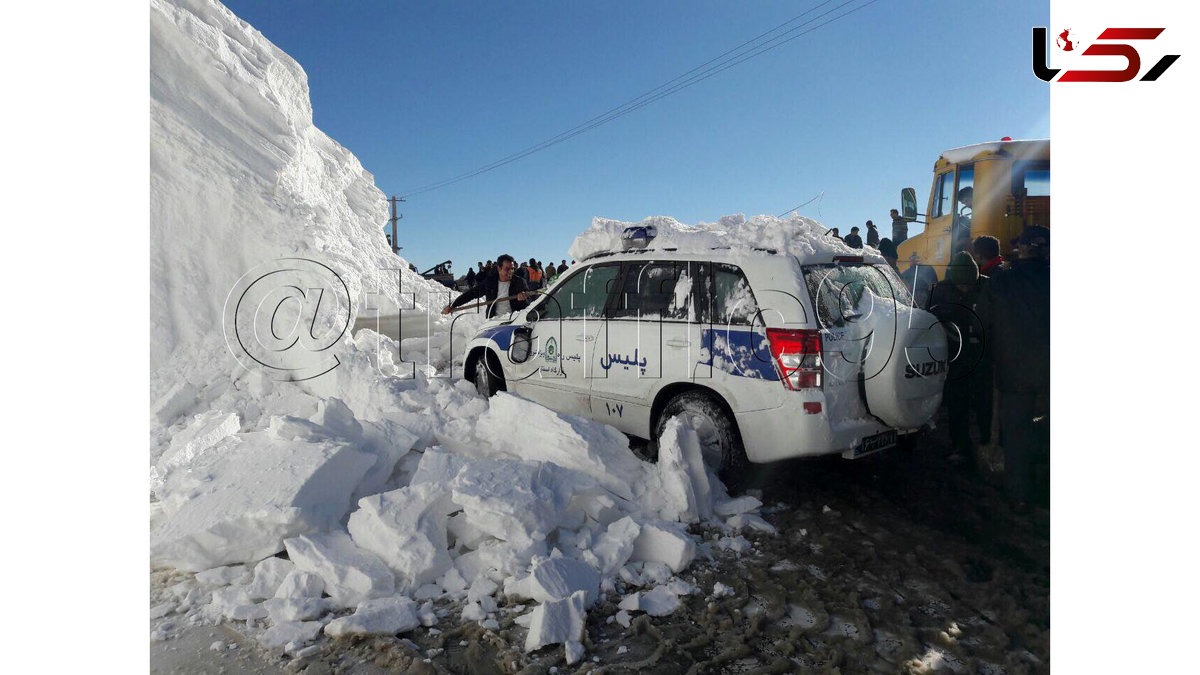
(487,383)
(720,442)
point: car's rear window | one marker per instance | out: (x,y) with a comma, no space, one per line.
(837,288)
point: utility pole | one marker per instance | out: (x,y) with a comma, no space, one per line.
(394,220)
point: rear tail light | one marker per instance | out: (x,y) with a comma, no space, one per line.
(797,355)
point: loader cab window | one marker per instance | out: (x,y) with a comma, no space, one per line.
(1031,192)
(1037,183)
(943,199)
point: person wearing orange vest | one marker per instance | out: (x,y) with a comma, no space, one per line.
(535,274)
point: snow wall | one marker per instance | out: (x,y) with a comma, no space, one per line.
(239,177)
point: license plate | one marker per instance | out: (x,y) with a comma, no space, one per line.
(872,444)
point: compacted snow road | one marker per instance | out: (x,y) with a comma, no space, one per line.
(893,563)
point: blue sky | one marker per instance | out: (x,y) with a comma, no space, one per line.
(858,109)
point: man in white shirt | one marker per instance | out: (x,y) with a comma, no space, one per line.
(504,291)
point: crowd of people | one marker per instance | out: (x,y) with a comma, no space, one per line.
(534,273)
(996,313)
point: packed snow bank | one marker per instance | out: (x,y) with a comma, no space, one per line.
(797,235)
(239,177)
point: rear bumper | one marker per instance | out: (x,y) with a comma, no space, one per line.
(788,431)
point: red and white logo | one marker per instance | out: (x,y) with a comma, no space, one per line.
(1110,42)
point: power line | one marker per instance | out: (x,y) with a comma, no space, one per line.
(671,86)
(819,195)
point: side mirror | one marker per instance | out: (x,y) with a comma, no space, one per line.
(522,344)
(908,203)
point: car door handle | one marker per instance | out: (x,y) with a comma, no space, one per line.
(585,338)
(678,343)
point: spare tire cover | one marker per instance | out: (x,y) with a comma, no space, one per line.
(905,366)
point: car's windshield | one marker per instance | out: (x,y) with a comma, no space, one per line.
(837,288)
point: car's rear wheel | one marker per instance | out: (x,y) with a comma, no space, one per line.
(720,442)
(487,383)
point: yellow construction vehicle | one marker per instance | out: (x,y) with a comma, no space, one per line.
(996,188)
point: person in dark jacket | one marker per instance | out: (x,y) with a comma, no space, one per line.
(888,250)
(987,254)
(969,382)
(853,240)
(872,235)
(899,228)
(494,287)
(1014,310)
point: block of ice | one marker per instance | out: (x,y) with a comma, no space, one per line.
(242,502)
(406,528)
(300,584)
(557,621)
(555,579)
(351,575)
(665,543)
(614,547)
(577,443)
(268,576)
(381,616)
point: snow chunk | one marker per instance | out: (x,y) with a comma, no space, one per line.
(738,544)
(351,575)
(660,601)
(685,479)
(732,507)
(557,621)
(720,590)
(613,548)
(744,520)
(284,610)
(595,449)
(243,500)
(232,602)
(406,528)
(518,502)
(282,634)
(573,651)
(555,579)
(203,433)
(381,616)
(221,576)
(665,543)
(268,576)
(299,584)
(177,400)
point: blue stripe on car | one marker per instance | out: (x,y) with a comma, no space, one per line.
(740,352)
(501,335)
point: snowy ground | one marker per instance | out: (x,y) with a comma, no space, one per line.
(894,563)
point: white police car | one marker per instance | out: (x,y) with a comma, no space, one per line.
(769,355)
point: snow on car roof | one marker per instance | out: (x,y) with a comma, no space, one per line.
(802,237)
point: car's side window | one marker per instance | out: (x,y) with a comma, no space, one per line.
(725,296)
(655,290)
(583,294)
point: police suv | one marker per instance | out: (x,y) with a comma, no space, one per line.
(766,354)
